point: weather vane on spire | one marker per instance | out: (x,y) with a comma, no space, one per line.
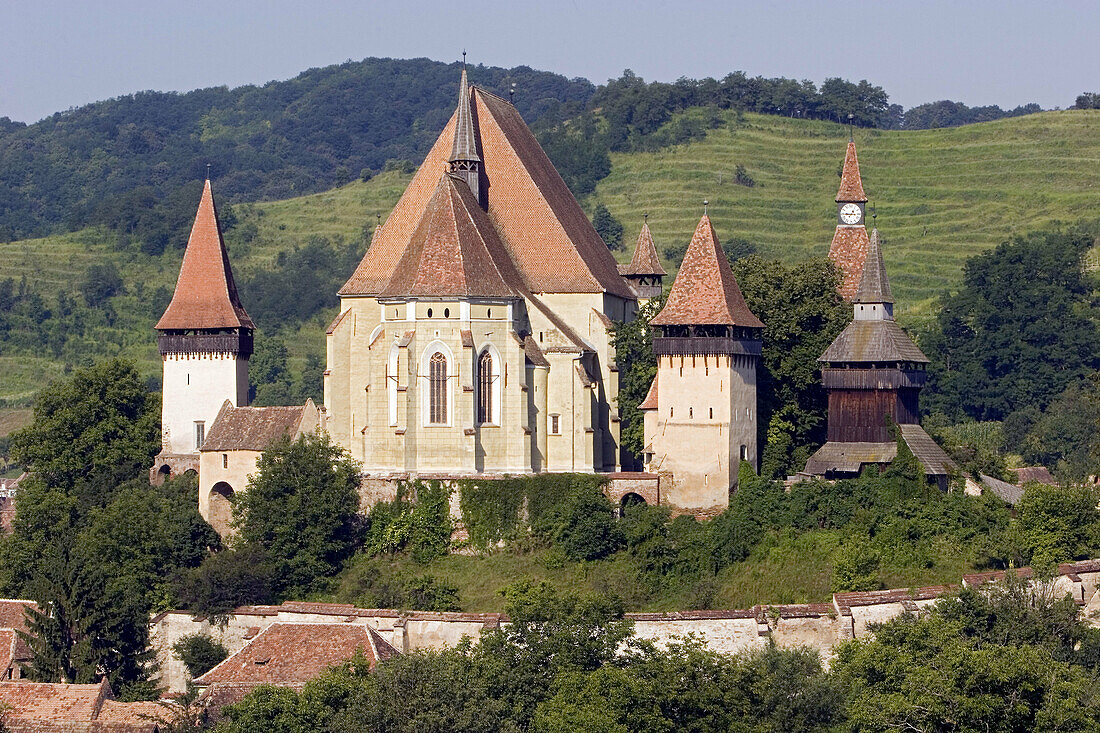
(463,59)
(705,205)
(851,136)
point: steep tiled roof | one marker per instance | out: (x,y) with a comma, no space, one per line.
(1006,492)
(206,296)
(851,457)
(291,654)
(454,251)
(252,428)
(465,141)
(7,651)
(872,341)
(848,251)
(533,353)
(874,285)
(645,260)
(42,707)
(650,401)
(705,291)
(553,244)
(851,187)
(12,614)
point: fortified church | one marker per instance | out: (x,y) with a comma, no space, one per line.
(474,338)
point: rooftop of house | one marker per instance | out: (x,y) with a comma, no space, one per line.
(42,707)
(255,428)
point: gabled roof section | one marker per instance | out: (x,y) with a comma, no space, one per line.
(550,239)
(645,260)
(206,295)
(256,428)
(705,291)
(874,286)
(464,147)
(872,341)
(851,186)
(454,251)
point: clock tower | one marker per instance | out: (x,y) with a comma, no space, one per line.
(850,242)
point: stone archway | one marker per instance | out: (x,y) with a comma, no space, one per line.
(631,499)
(221,508)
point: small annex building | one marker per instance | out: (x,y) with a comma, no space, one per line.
(44,707)
(232,449)
(873,374)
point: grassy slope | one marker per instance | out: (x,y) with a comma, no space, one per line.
(941,195)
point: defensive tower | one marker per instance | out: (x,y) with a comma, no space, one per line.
(849,247)
(645,273)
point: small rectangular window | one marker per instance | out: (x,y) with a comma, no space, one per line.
(200,433)
(554,425)
(225,460)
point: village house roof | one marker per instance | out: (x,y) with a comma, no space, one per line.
(42,707)
(705,292)
(454,251)
(549,238)
(1006,492)
(645,260)
(254,428)
(851,185)
(848,251)
(292,654)
(206,295)
(13,649)
(874,285)
(838,457)
(1038,474)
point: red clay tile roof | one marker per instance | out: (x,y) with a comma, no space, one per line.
(336,322)
(645,260)
(42,707)
(874,285)
(454,251)
(12,614)
(291,654)
(533,353)
(7,514)
(893,595)
(7,651)
(705,291)
(206,295)
(251,428)
(848,252)
(851,187)
(553,244)
(1039,474)
(650,401)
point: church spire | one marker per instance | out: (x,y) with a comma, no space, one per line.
(464,160)
(874,285)
(851,187)
(206,295)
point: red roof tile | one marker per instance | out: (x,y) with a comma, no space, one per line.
(454,251)
(848,252)
(1038,474)
(42,707)
(252,428)
(650,401)
(12,614)
(851,186)
(705,291)
(874,285)
(645,260)
(206,295)
(553,244)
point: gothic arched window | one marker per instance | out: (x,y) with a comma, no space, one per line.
(437,394)
(485,387)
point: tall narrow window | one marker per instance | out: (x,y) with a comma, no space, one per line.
(437,378)
(200,433)
(485,379)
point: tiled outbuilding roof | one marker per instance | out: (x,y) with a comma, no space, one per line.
(874,285)
(851,186)
(1006,492)
(206,295)
(253,428)
(645,260)
(872,341)
(705,292)
(1040,474)
(42,707)
(454,251)
(550,239)
(848,252)
(840,457)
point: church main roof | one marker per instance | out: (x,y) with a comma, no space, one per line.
(645,260)
(454,251)
(549,238)
(705,292)
(851,186)
(206,295)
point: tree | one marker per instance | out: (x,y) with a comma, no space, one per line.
(633,344)
(301,507)
(1064,436)
(1019,332)
(225,581)
(608,227)
(1058,523)
(199,653)
(101,281)
(91,431)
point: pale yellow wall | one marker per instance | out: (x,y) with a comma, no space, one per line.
(212,470)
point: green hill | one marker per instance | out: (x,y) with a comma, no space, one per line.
(941,196)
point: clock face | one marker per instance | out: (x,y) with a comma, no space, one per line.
(850,213)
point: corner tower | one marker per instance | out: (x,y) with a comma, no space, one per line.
(644,273)
(205,342)
(849,247)
(700,414)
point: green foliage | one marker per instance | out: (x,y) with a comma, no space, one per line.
(491,509)
(418,520)
(608,227)
(855,567)
(975,446)
(227,580)
(199,653)
(1064,436)
(633,344)
(96,427)
(1058,524)
(313,272)
(946,113)
(1022,329)
(100,283)
(301,507)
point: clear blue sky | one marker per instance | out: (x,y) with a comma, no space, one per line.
(58,55)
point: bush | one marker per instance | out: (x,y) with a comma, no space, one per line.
(421,526)
(199,653)
(227,580)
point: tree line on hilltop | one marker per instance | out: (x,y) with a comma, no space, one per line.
(123,162)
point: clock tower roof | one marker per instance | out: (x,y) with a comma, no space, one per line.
(851,186)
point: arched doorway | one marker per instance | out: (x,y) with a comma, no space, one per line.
(221,508)
(629,501)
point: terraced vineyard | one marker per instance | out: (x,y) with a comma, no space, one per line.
(941,196)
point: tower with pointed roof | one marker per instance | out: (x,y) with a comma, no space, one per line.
(645,273)
(700,413)
(873,373)
(849,246)
(474,337)
(205,341)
